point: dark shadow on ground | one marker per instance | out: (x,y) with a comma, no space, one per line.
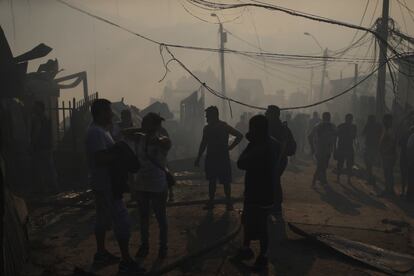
(296,164)
(338,201)
(286,257)
(402,203)
(207,232)
(362,197)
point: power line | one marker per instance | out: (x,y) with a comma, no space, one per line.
(241,39)
(404,4)
(164,46)
(109,22)
(265,54)
(220,95)
(258,64)
(338,52)
(207,21)
(218,6)
(361,21)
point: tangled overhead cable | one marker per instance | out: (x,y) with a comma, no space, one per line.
(226,98)
(258,4)
(166,47)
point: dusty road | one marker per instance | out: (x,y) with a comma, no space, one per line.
(61,236)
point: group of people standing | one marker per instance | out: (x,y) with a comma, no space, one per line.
(381,142)
(117,152)
(264,159)
(137,152)
(135,159)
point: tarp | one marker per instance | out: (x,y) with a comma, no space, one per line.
(391,262)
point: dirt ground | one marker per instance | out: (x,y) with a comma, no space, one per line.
(61,229)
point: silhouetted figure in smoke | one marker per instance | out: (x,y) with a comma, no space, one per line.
(346,137)
(388,152)
(322,142)
(280,131)
(45,176)
(372,133)
(410,165)
(152,185)
(298,126)
(313,121)
(217,163)
(405,129)
(260,161)
(110,208)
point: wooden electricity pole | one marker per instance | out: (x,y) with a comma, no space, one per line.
(382,72)
(325,60)
(223,39)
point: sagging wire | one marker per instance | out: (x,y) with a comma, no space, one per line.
(164,46)
(361,21)
(189,47)
(223,97)
(207,21)
(165,64)
(218,6)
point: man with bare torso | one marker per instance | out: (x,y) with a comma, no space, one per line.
(217,163)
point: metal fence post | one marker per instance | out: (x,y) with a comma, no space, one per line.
(64,118)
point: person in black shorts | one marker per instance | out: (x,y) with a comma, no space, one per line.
(217,163)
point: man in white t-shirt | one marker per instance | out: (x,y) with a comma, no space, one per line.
(110,210)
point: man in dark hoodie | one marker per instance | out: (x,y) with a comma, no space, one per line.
(260,161)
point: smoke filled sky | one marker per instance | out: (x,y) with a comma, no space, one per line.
(122,65)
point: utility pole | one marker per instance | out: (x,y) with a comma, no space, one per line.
(223,39)
(354,94)
(311,87)
(325,57)
(382,30)
(355,77)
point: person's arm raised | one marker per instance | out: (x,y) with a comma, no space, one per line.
(234,132)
